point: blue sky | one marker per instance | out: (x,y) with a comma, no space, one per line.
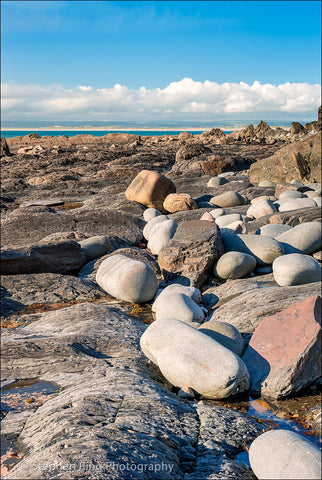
(61,45)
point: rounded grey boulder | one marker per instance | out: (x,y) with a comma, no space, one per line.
(180,306)
(234,265)
(151,223)
(261,208)
(160,235)
(216,181)
(303,238)
(189,358)
(297,204)
(95,247)
(191,292)
(217,212)
(284,455)
(150,213)
(296,269)
(264,249)
(224,220)
(273,229)
(228,199)
(224,333)
(290,194)
(127,279)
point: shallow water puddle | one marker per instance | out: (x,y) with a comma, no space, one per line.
(10,455)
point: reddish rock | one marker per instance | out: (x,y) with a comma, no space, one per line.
(192,252)
(284,353)
(177,202)
(150,188)
(284,187)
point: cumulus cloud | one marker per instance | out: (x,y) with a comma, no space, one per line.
(186,99)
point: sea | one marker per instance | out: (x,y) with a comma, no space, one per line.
(10,129)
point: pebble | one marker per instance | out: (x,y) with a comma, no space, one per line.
(273,229)
(227,174)
(224,220)
(216,181)
(284,455)
(303,238)
(189,358)
(191,292)
(217,212)
(160,235)
(297,182)
(311,194)
(234,265)
(290,194)
(178,202)
(228,199)
(95,247)
(178,305)
(261,208)
(224,333)
(208,217)
(151,223)
(264,249)
(296,269)
(266,183)
(150,213)
(127,279)
(297,204)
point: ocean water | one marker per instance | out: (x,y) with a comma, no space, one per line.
(95,133)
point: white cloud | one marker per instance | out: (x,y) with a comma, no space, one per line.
(186,98)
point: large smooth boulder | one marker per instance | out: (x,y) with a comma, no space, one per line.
(288,194)
(297,204)
(150,188)
(189,358)
(191,292)
(234,265)
(284,353)
(192,252)
(160,235)
(180,306)
(273,229)
(224,333)
(151,224)
(127,279)
(261,208)
(264,249)
(296,269)
(303,238)
(95,247)
(177,202)
(284,455)
(58,257)
(228,199)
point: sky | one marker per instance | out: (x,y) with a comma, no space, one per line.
(113,60)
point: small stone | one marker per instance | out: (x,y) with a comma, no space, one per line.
(261,208)
(160,235)
(95,247)
(290,194)
(227,174)
(191,292)
(180,306)
(208,217)
(186,393)
(224,333)
(234,265)
(228,199)
(284,455)
(297,204)
(296,269)
(150,213)
(216,181)
(266,183)
(224,220)
(151,224)
(217,212)
(177,202)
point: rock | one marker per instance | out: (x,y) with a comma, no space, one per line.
(179,306)
(303,238)
(261,208)
(318,256)
(290,194)
(150,188)
(299,161)
(314,186)
(95,247)
(188,358)
(150,213)
(297,129)
(127,279)
(60,257)
(266,183)
(217,212)
(295,218)
(228,199)
(216,181)
(4,149)
(312,194)
(287,187)
(265,269)
(297,204)
(234,265)
(296,269)
(225,334)
(192,252)
(151,224)
(226,174)
(191,292)
(284,455)
(224,220)
(273,229)
(234,227)
(262,197)
(264,249)
(297,182)
(176,202)
(208,217)
(318,201)
(258,302)
(160,235)
(284,353)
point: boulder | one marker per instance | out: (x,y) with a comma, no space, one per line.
(264,249)
(4,149)
(225,334)
(180,306)
(191,292)
(150,213)
(150,188)
(290,194)
(228,199)
(234,265)
(224,220)
(176,202)
(152,223)
(297,217)
(273,229)
(234,227)
(284,353)
(160,235)
(189,358)
(95,247)
(303,238)
(217,212)
(59,257)
(261,208)
(297,204)
(284,455)
(296,161)
(192,252)
(127,279)
(296,269)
